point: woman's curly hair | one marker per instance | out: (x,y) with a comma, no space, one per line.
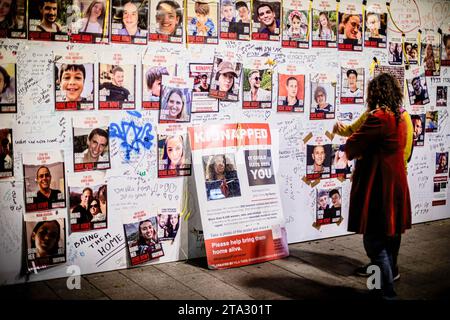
(384,91)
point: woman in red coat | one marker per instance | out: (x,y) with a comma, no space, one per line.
(380,206)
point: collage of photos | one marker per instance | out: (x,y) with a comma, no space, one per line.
(87,202)
(203,17)
(166,21)
(74,86)
(235,19)
(46,242)
(291,93)
(117,87)
(174,158)
(44,180)
(8,85)
(221,178)
(6,153)
(318,161)
(329,205)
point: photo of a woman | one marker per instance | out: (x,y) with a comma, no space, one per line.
(93,18)
(221,177)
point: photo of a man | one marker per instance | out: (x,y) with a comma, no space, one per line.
(291,93)
(49,16)
(418,92)
(318,161)
(418,122)
(115,89)
(351,86)
(117,86)
(256,93)
(266,18)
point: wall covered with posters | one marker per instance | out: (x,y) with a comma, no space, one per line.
(97,97)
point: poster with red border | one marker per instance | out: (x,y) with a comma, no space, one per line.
(240,205)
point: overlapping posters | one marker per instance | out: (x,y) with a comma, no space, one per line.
(202,22)
(323,96)
(296,21)
(375,25)
(8,75)
(47,20)
(430,54)
(129,21)
(91,143)
(176,99)
(257,84)
(141,234)
(266,24)
(235,16)
(324,24)
(88,201)
(74,82)
(226,78)
(174,156)
(166,21)
(201,102)
(440,179)
(238,194)
(350,27)
(352,83)
(6,153)
(45,234)
(45,186)
(14,23)
(117,79)
(154,66)
(89,22)
(291,89)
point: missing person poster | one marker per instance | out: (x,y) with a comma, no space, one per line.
(324,24)
(266,24)
(323,96)
(166,21)
(8,74)
(350,27)
(328,205)
(141,234)
(430,54)
(418,122)
(176,99)
(89,21)
(88,201)
(341,167)
(257,93)
(375,25)
(14,23)
(417,87)
(291,90)
(318,159)
(168,223)
(47,20)
(74,81)
(352,83)
(411,53)
(445,49)
(174,157)
(129,21)
(44,180)
(201,102)
(226,78)
(296,21)
(91,143)
(235,16)
(440,179)
(45,234)
(6,152)
(239,199)
(203,22)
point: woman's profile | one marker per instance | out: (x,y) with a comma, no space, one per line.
(45,238)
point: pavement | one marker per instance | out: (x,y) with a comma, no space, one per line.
(315,270)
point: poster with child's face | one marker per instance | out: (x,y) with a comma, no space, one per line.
(117,87)
(6,153)
(46,241)
(89,21)
(291,93)
(8,83)
(266,20)
(44,180)
(202,22)
(295,24)
(129,19)
(47,20)
(166,21)
(13,24)
(74,86)
(324,28)
(176,100)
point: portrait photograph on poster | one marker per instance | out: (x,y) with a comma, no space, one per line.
(375,29)
(295,25)
(352,85)
(328,206)
(74,86)
(176,100)
(418,90)
(201,75)
(129,21)
(168,223)
(91,143)
(142,241)
(13,23)
(116,87)
(47,20)
(221,178)
(266,20)
(235,19)
(441,96)
(174,158)
(202,22)
(6,153)
(8,85)
(323,96)
(225,80)
(445,50)
(324,29)
(441,162)
(291,93)
(44,180)
(411,53)
(318,161)
(341,167)
(87,201)
(395,55)
(431,58)
(350,32)
(166,21)
(46,242)
(431,121)
(418,122)
(91,21)
(257,88)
